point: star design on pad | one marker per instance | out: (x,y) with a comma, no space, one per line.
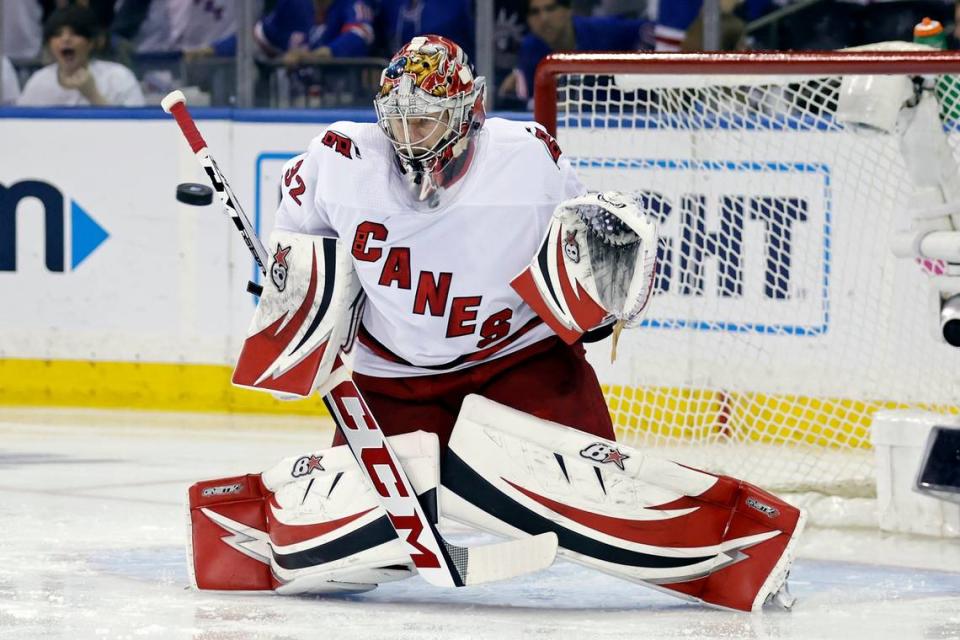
(616,458)
(313,462)
(281,255)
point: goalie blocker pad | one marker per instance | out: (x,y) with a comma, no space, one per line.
(309,524)
(596,264)
(309,310)
(706,538)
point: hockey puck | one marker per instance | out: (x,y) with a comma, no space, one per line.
(198,195)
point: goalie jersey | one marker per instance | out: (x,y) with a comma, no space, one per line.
(437,279)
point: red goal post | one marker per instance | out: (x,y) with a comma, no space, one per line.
(754,63)
(781,321)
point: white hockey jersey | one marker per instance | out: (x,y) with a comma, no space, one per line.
(437,280)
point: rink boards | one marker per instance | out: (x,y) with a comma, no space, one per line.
(123,297)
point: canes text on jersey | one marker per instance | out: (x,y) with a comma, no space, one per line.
(432,292)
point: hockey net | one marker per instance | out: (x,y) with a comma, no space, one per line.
(781,320)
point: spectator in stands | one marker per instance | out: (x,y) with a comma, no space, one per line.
(306,31)
(830,24)
(76,78)
(155,26)
(674,18)
(401,20)
(553,27)
(621,8)
(344,28)
(102,9)
(732,34)
(21,23)
(143,26)
(9,86)
(510,28)
(198,23)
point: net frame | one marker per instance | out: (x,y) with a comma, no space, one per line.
(754,63)
(794,64)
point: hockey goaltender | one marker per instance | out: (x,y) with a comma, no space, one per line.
(462,264)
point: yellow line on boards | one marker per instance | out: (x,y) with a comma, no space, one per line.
(673,414)
(137,385)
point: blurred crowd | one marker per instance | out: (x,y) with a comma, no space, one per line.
(330,52)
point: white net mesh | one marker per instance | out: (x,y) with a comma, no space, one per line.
(781,320)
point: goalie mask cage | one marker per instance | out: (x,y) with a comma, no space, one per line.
(781,320)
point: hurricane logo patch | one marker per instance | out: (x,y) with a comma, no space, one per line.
(571,248)
(278,273)
(603,453)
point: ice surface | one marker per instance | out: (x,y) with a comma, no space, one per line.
(91,506)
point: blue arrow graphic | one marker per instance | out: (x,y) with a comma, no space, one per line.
(86,234)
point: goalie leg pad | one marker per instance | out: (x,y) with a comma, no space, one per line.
(228,507)
(758,571)
(309,524)
(712,539)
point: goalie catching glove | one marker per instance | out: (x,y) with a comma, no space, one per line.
(595,266)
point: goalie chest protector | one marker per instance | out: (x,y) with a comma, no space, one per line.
(437,279)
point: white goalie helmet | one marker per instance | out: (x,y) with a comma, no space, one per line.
(430,106)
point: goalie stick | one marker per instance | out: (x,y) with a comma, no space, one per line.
(175,103)
(438,561)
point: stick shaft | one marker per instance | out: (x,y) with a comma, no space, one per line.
(230,203)
(388,478)
(188,127)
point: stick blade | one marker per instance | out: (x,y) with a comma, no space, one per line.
(506,560)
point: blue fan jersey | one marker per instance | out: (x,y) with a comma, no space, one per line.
(592,34)
(404,19)
(347,28)
(674,17)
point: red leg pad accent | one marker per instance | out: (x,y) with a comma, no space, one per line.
(737,586)
(218,563)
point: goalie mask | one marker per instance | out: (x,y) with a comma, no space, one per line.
(430,106)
